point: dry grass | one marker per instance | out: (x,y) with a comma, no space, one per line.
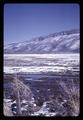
(74,97)
(7,111)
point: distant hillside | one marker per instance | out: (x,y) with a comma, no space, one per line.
(61,42)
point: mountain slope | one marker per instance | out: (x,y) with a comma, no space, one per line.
(61,42)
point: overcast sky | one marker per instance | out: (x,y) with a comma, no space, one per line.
(25,21)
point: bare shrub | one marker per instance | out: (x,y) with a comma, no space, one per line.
(73,93)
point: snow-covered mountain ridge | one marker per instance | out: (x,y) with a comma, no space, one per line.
(61,42)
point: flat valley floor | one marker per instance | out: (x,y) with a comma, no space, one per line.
(53,81)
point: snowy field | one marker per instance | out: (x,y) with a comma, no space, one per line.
(38,63)
(49,77)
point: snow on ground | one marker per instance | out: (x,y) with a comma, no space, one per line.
(44,111)
(50,62)
(33,69)
(23,56)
